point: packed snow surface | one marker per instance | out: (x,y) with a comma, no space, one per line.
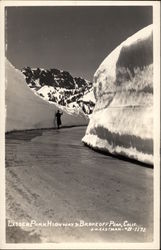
(26,110)
(122,120)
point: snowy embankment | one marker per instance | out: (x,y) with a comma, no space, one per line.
(26,110)
(122,121)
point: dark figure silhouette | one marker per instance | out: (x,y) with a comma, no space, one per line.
(58,117)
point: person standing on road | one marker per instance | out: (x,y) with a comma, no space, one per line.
(58,117)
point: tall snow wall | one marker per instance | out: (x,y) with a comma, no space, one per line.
(26,110)
(122,121)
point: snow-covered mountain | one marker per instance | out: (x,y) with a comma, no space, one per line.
(26,110)
(60,87)
(122,120)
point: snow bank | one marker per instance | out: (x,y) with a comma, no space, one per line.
(26,110)
(122,121)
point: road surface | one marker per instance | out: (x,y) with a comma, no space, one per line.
(56,187)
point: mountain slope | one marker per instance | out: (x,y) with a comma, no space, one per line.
(25,110)
(61,88)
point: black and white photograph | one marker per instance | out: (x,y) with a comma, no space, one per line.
(81,113)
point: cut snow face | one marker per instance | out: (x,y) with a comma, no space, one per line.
(26,110)
(122,120)
(60,87)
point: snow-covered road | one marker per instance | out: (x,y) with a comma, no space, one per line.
(51,177)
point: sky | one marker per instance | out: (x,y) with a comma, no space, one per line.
(72,38)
